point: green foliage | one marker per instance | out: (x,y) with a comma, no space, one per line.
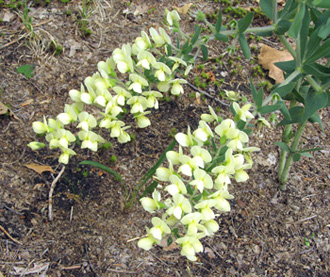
(306,84)
(26,70)
(130,200)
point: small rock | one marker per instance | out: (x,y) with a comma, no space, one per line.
(223,73)
(7,16)
(271,159)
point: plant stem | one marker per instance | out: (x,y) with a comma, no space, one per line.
(248,30)
(283,154)
(287,46)
(274,6)
(288,163)
(312,82)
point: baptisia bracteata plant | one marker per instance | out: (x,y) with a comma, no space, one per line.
(148,71)
(195,184)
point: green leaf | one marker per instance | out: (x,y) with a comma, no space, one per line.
(169,241)
(297,21)
(282,27)
(260,96)
(283,146)
(257,96)
(322,51)
(267,7)
(310,150)
(296,157)
(317,70)
(296,114)
(254,92)
(288,66)
(307,155)
(104,168)
(315,118)
(304,34)
(196,34)
(270,108)
(150,189)
(204,52)
(197,198)
(285,110)
(284,90)
(169,50)
(190,190)
(187,50)
(244,23)
(26,70)
(152,170)
(322,3)
(218,24)
(244,45)
(177,42)
(314,102)
(221,37)
(314,43)
(324,30)
(289,10)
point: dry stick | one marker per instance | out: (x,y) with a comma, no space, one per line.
(18,39)
(207,94)
(52,187)
(9,236)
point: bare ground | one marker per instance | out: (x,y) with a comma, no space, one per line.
(268,232)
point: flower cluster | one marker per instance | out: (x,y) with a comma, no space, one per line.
(195,183)
(147,72)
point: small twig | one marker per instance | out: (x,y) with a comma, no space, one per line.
(72,267)
(9,236)
(133,239)
(123,271)
(89,261)
(71,213)
(23,36)
(52,187)
(207,94)
(307,218)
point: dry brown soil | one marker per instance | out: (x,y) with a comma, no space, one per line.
(267,232)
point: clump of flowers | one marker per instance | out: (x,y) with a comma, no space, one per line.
(148,72)
(195,183)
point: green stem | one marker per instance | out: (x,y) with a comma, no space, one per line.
(248,30)
(274,6)
(288,46)
(283,154)
(290,78)
(289,160)
(315,85)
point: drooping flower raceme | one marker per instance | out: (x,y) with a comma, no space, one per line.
(197,182)
(146,74)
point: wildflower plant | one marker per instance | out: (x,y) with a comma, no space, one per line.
(134,78)
(305,90)
(194,188)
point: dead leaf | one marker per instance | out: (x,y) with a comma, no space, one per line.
(3,108)
(268,56)
(172,246)
(39,168)
(210,76)
(184,9)
(37,268)
(28,102)
(38,186)
(209,252)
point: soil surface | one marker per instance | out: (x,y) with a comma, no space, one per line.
(267,233)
